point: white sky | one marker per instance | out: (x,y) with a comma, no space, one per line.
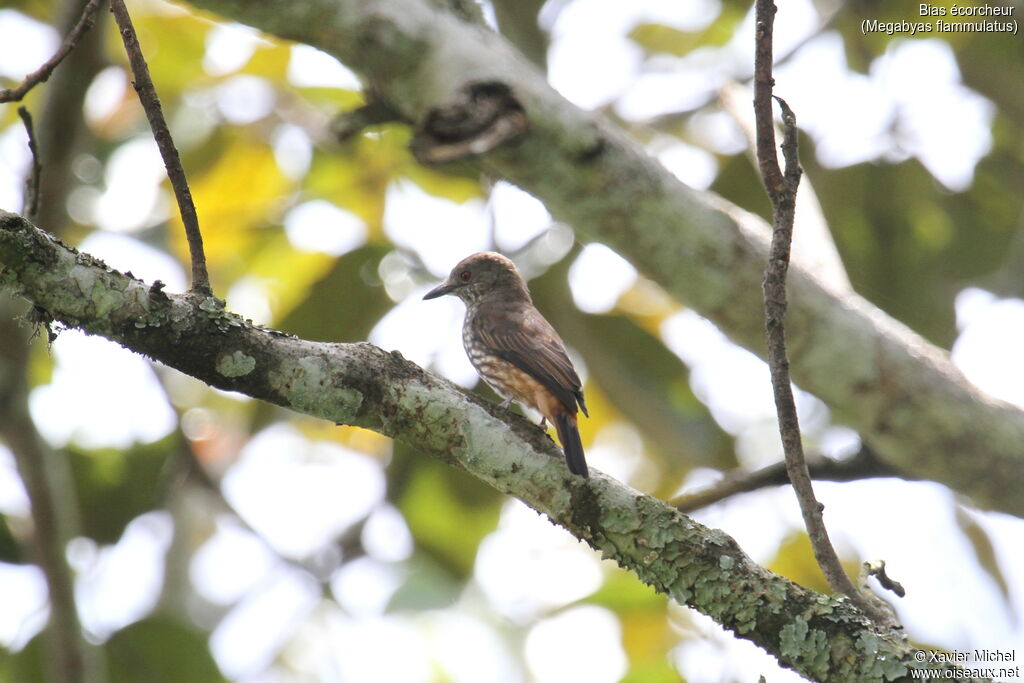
(299,493)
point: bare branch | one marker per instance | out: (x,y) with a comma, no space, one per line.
(32,183)
(172,162)
(813,245)
(41,74)
(877,570)
(862,465)
(782,192)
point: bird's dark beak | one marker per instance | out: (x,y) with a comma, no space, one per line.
(440,290)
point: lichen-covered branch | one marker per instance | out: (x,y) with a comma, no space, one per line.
(820,636)
(903,394)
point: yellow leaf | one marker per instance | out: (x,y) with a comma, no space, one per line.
(269,61)
(286,272)
(174,47)
(234,197)
(358,439)
(795,560)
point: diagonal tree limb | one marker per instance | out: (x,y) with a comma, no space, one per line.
(901,393)
(822,637)
(40,75)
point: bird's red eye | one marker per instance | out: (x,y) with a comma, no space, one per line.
(465,276)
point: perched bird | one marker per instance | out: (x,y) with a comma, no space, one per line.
(515,349)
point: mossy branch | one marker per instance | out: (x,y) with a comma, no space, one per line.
(822,637)
(901,393)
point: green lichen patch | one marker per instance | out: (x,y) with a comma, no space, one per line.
(237,364)
(800,643)
(310,387)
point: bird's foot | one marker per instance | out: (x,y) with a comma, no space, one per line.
(505,404)
(544,428)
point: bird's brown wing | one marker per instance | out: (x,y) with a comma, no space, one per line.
(533,346)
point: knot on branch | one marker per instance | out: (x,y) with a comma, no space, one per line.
(349,124)
(482,117)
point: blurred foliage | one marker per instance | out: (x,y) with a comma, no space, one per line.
(911,246)
(984,552)
(448,512)
(662,39)
(908,244)
(639,380)
(155,650)
(647,632)
(10,549)
(160,650)
(353,289)
(113,487)
(795,560)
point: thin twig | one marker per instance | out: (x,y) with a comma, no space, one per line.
(41,74)
(813,244)
(172,162)
(782,192)
(877,570)
(862,465)
(31,203)
(767,161)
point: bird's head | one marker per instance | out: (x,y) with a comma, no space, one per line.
(484,275)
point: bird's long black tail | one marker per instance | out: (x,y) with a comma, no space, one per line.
(569,435)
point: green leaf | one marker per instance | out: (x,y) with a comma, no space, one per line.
(427,586)
(233,206)
(984,551)
(622,591)
(448,513)
(155,650)
(10,550)
(114,487)
(269,61)
(25,665)
(664,39)
(795,560)
(160,650)
(173,46)
(647,633)
(346,303)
